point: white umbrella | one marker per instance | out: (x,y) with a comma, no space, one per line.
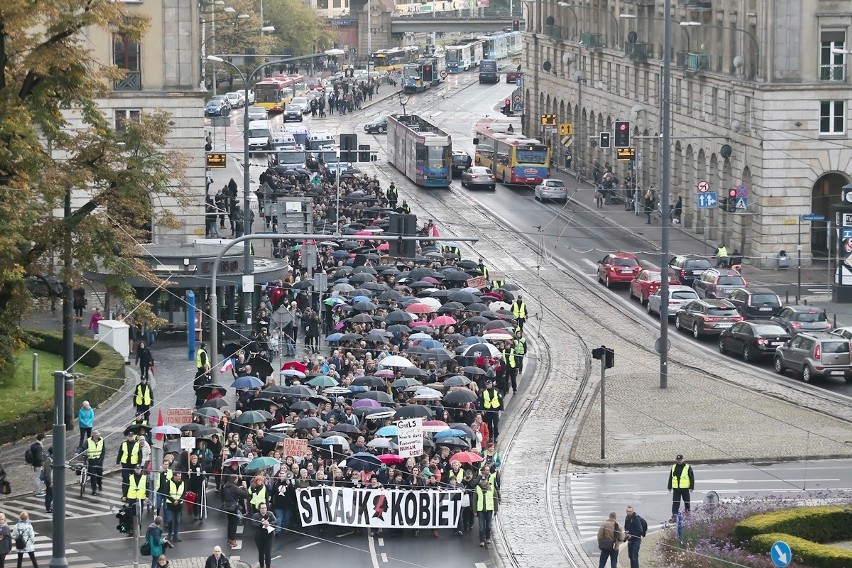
(166,429)
(434,302)
(293,373)
(492,351)
(425,393)
(497,335)
(494,306)
(334,51)
(395,361)
(380,415)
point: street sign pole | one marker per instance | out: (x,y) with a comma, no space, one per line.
(799,263)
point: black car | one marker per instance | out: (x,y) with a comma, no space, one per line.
(292,114)
(377,125)
(753,339)
(461,162)
(689,267)
(756,303)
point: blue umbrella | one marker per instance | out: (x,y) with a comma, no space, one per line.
(334,337)
(363,461)
(357,299)
(451,433)
(430,344)
(247,383)
(340,254)
(388,431)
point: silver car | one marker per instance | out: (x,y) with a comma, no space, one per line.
(678,296)
(257,113)
(478,176)
(815,355)
(550,188)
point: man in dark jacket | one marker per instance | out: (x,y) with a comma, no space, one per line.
(681,482)
(217,559)
(264,529)
(37,449)
(633,533)
(233,495)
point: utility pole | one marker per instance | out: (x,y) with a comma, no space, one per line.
(58,560)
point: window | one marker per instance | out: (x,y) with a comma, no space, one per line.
(127,57)
(832,117)
(832,65)
(122,116)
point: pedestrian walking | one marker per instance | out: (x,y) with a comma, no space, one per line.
(23,536)
(217,559)
(649,204)
(129,454)
(79,302)
(85,421)
(36,459)
(491,403)
(95,451)
(519,310)
(48,480)
(485,503)
(634,530)
(5,540)
(610,536)
(681,482)
(143,398)
(97,316)
(145,360)
(155,539)
(137,492)
(264,525)
(233,493)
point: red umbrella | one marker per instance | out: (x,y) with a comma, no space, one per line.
(294,365)
(420,308)
(383,247)
(466,457)
(390,458)
(443,320)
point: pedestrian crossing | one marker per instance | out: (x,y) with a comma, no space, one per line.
(44,552)
(107,501)
(585,503)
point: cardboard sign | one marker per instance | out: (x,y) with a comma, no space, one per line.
(410,437)
(178,416)
(187,443)
(477,282)
(295,447)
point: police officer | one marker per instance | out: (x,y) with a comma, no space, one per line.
(491,402)
(202,362)
(482,268)
(143,398)
(485,505)
(681,482)
(95,448)
(519,310)
(510,366)
(135,494)
(175,491)
(129,454)
(393,196)
(520,349)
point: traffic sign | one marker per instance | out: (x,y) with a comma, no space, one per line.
(742,190)
(742,203)
(519,81)
(781,553)
(443,74)
(707,200)
(216,160)
(517,103)
(625,153)
(846,233)
(566,129)
(813,217)
(703,186)
(548,120)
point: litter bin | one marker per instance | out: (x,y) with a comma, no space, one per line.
(783,259)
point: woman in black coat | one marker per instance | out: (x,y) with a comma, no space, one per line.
(145,359)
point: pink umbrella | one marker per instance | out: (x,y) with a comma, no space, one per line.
(366,403)
(384,373)
(420,309)
(390,458)
(429,279)
(443,320)
(383,247)
(435,426)
(420,324)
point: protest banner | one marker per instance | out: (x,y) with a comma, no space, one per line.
(379,508)
(410,437)
(295,447)
(187,443)
(178,416)
(477,282)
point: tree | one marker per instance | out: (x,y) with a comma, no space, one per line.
(55,141)
(298,27)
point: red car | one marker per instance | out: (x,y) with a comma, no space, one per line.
(647,282)
(618,267)
(513,76)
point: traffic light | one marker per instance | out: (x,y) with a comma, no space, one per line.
(124,520)
(732,200)
(507,107)
(622,134)
(605,354)
(516,25)
(723,203)
(604,142)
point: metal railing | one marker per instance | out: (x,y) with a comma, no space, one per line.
(132,81)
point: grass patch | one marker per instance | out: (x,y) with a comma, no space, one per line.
(19,399)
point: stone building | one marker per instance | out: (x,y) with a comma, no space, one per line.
(759,99)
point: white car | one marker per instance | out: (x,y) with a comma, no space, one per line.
(550,188)
(236,99)
(250,96)
(302,103)
(678,296)
(257,113)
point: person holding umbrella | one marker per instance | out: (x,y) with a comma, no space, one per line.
(264,525)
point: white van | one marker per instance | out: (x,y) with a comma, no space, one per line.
(280,139)
(299,132)
(258,135)
(317,140)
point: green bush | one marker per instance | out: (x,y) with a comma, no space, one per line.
(817,524)
(106,378)
(805,551)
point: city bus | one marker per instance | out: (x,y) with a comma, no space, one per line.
(392,59)
(464,55)
(514,158)
(273,93)
(420,150)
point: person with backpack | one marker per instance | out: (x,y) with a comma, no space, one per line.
(635,529)
(610,537)
(23,536)
(34,456)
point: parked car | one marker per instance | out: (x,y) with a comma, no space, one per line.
(217,106)
(461,162)
(689,267)
(236,98)
(378,125)
(513,76)
(796,319)
(618,267)
(718,283)
(753,339)
(257,113)
(647,282)
(706,317)
(551,189)
(678,296)
(292,113)
(755,303)
(478,176)
(815,355)
(843,332)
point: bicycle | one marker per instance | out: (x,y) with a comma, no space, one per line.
(82,471)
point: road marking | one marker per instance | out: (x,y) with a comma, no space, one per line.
(384,557)
(310,544)
(479,565)
(381,542)
(276,557)
(371,544)
(341,535)
(591,263)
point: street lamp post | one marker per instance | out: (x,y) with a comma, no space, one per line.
(663,347)
(576,19)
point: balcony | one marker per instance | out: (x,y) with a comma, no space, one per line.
(553,32)
(697,62)
(832,73)
(640,52)
(591,40)
(132,81)
(695,5)
(681,59)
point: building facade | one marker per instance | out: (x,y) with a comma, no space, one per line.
(162,74)
(759,101)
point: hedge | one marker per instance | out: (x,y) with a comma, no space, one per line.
(107,376)
(817,524)
(805,551)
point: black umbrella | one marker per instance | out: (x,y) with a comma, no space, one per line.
(297,390)
(462,297)
(363,318)
(304,284)
(456,276)
(346,428)
(475,371)
(260,366)
(405,382)
(191,427)
(463,427)
(456,381)
(262,403)
(365,306)
(450,307)
(365,268)
(459,397)
(308,423)
(374,286)
(377,336)
(379,396)
(398,328)
(215,403)
(414,372)
(369,381)
(413,411)
(398,316)
(137,429)
(454,442)
(420,273)
(204,391)
(476,320)
(363,461)
(389,295)
(303,405)
(230,349)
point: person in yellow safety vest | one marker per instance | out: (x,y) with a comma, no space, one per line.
(174,506)
(492,476)
(129,454)
(491,404)
(497,283)
(485,504)
(456,471)
(143,398)
(482,268)
(519,310)
(722,259)
(202,361)
(95,451)
(510,368)
(520,345)
(161,483)
(137,491)
(257,493)
(681,482)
